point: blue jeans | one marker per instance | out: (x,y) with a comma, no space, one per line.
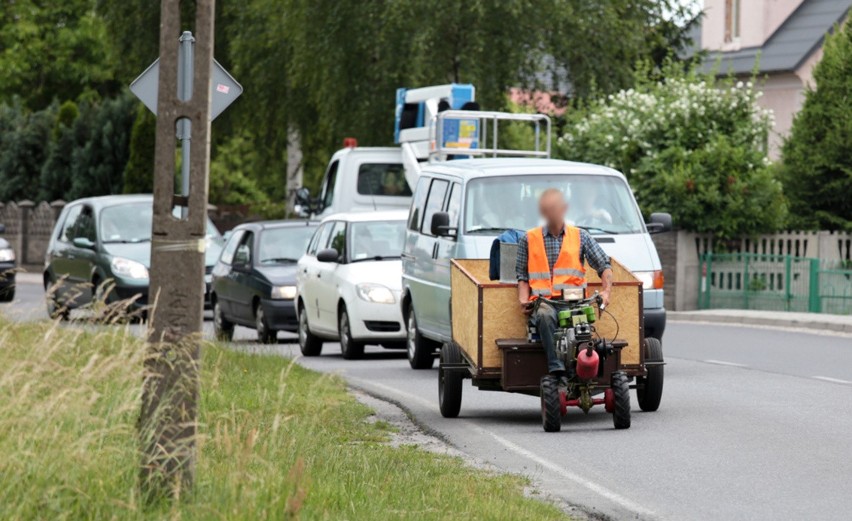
(546,321)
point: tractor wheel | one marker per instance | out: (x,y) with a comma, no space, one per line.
(349,348)
(621,392)
(223,329)
(309,344)
(551,409)
(420,350)
(649,389)
(450,382)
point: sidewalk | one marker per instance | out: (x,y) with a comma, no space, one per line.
(816,321)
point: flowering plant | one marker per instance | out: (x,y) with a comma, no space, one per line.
(689,145)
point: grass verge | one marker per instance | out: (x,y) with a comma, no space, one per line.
(277,442)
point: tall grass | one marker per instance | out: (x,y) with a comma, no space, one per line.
(277,442)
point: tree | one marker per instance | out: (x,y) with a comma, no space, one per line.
(139,172)
(689,146)
(817,156)
(24,137)
(52,50)
(55,180)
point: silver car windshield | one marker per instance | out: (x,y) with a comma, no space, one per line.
(602,204)
(128,223)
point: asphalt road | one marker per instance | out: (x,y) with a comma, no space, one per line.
(755,424)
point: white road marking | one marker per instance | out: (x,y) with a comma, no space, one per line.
(722,362)
(832,380)
(602,491)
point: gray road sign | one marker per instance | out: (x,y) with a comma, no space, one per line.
(224,89)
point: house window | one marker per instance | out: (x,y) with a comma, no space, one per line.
(732,20)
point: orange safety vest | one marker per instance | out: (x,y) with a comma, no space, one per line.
(569,272)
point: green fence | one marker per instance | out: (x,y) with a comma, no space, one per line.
(774,283)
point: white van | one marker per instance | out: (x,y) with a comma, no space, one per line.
(461,206)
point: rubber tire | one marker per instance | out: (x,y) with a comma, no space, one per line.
(222,328)
(55,310)
(450,382)
(551,409)
(309,344)
(420,351)
(7,295)
(649,391)
(264,334)
(349,348)
(621,390)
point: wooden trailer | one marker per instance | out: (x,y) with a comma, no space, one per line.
(490,332)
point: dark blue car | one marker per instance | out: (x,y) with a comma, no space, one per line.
(254,281)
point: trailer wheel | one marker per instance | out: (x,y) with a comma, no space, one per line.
(450,382)
(621,392)
(649,390)
(551,410)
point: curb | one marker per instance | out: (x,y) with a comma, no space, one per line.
(812,322)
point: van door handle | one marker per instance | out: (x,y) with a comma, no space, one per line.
(406,256)
(435,251)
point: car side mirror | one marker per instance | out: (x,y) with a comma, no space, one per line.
(328,255)
(2,228)
(303,196)
(83,242)
(659,223)
(440,225)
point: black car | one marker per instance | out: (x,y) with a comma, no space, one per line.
(7,269)
(254,281)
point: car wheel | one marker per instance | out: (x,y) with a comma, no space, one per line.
(265,335)
(309,344)
(420,351)
(650,388)
(55,309)
(223,329)
(7,295)
(348,347)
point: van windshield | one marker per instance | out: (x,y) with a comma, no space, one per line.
(601,204)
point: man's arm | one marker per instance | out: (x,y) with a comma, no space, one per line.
(599,261)
(522,273)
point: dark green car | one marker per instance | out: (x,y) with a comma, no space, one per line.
(102,239)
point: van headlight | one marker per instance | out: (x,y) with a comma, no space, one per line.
(375,293)
(7,255)
(284,292)
(650,279)
(128,269)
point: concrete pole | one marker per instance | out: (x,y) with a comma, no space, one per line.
(168,419)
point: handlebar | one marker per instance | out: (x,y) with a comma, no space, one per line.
(595,298)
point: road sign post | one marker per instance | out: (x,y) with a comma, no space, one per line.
(168,421)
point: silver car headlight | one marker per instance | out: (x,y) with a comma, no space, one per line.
(128,269)
(7,255)
(284,292)
(375,293)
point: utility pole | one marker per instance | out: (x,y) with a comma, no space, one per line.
(168,421)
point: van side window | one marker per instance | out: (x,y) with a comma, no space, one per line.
(415,216)
(454,204)
(328,189)
(434,203)
(228,253)
(382,179)
(67,234)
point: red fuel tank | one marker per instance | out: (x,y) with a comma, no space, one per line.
(587,364)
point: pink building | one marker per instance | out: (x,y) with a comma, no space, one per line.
(783,38)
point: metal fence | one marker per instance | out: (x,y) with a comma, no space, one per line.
(773,283)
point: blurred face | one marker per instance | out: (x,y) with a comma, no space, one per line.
(553,208)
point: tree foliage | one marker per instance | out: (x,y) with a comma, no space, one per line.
(689,146)
(817,157)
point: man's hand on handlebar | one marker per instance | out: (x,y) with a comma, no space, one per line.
(604,298)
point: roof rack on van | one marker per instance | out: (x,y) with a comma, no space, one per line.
(461,134)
